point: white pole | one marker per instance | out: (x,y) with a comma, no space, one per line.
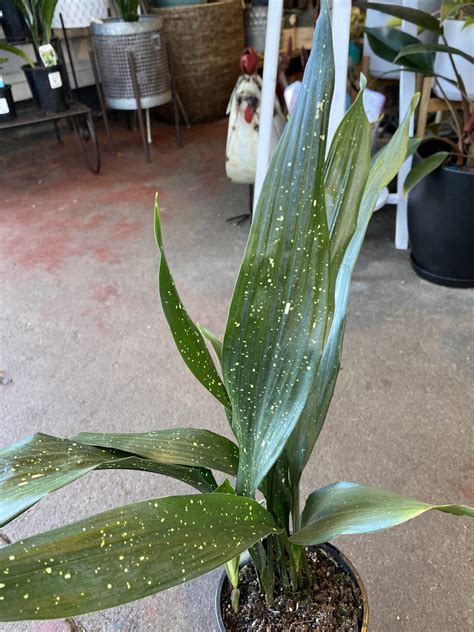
(407,90)
(341,22)
(267,105)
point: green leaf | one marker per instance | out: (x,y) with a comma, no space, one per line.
(415,16)
(14,50)
(186,334)
(350,508)
(384,168)
(215,342)
(126,554)
(423,168)
(414,49)
(388,43)
(180,446)
(273,340)
(346,173)
(42,464)
(413,144)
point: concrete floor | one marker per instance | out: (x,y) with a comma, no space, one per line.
(87,348)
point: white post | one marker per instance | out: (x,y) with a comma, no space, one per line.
(407,90)
(341,22)
(267,105)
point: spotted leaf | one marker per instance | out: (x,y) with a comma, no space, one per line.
(125,554)
(186,334)
(42,464)
(180,446)
(273,340)
(350,508)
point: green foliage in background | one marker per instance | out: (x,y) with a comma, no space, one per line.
(278,365)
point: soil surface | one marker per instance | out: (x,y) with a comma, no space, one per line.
(334,604)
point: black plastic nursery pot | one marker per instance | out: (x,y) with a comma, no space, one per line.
(7,105)
(343,565)
(12,22)
(441,222)
(48,87)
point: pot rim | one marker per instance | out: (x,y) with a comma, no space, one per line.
(343,562)
(39,67)
(111,27)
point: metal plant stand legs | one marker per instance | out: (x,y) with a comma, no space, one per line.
(138,98)
(103,108)
(240,219)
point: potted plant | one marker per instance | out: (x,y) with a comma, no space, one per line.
(440,217)
(46,76)
(279,363)
(12,22)
(114,39)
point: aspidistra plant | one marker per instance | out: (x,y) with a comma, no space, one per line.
(277,368)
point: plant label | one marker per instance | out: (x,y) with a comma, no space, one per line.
(48,55)
(4,109)
(55,80)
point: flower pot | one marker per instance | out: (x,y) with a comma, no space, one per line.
(343,565)
(7,105)
(462,39)
(113,40)
(12,22)
(48,87)
(441,223)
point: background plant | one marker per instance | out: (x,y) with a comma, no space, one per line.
(38,15)
(277,368)
(413,55)
(128,9)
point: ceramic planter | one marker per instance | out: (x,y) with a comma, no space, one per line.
(462,39)
(441,223)
(113,40)
(343,563)
(48,87)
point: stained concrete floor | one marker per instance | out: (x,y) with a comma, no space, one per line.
(87,348)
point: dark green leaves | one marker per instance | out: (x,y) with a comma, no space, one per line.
(423,168)
(125,554)
(346,171)
(387,43)
(415,49)
(415,16)
(181,446)
(350,508)
(42,464)
(186,334)
(273,339)
(14,50)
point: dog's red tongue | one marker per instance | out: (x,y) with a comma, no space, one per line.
(248,114)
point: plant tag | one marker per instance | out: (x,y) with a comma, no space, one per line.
(156,38)
(55,80)
(48,55)
(4,109)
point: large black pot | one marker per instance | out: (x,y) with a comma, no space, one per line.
(48,87)
(7,105)
(342,562)
(12,22)
(441,222)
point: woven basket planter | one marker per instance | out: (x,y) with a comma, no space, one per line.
(206,41)
(113,39)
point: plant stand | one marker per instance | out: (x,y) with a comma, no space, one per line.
(430,104)
(82,122)
(144,125)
